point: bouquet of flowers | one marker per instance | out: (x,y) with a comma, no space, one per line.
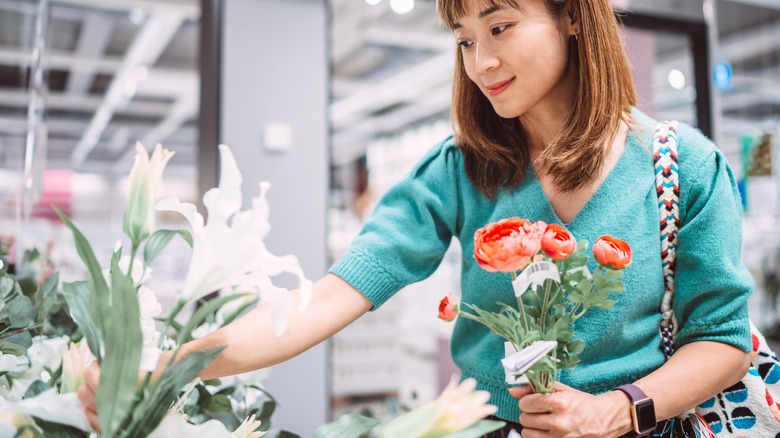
(553,288)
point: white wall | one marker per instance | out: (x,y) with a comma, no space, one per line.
(275,70)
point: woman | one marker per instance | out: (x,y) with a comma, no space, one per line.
(545,130)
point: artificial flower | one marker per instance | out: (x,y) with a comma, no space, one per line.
(448,308)
(229,249)
(557,243)
(608,251)
(43,359)
(248,429)
(75,359)
(52,407)
(174,426)
(457,408)
(508,244)
(145,176)
(149,308)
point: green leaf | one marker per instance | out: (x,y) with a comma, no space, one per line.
(24,339)
(347,426)
(476,430)
(18,311)
(77,297)
(11,348)
(36,388)
(161,393)
(159,240)
(48,290)
(98,288)
(7,284)
(55,430)
(212,382)
(200,315)
(123,343)
(264,416)
(220,402)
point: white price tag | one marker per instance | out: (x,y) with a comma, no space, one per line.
(535,274)
(518,362)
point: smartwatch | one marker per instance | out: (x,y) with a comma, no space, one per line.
(642,410)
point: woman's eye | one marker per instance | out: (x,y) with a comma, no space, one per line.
(465,44)
(498,29)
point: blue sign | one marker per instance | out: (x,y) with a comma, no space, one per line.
(722,76)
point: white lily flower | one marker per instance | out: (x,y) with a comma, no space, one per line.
(457,408)
(145,177)
(149,308)
(174,426)
(248,429)
(229,249)
(44,354)
(52,407)
(10,363)
(75,359)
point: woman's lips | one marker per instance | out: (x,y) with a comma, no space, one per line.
(499,87)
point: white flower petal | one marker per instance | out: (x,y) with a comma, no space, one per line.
(173,426)
(53,407)
(189,211)
(224,201)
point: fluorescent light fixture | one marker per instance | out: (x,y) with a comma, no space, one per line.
(676,79)
(402,6)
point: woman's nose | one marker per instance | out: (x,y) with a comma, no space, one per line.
(485,59)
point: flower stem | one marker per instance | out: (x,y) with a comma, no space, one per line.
(547,284)
(169,320)
(132,260)
(520,303)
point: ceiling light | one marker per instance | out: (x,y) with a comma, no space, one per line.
(402,6)
(373,2)
(676,79)
(137,16)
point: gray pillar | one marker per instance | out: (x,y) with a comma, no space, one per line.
(274,101)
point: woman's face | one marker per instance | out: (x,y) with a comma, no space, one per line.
(519,58)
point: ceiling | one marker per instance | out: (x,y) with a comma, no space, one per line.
(126,70)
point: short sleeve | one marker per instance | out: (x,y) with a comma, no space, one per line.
(407,234)
(712,283)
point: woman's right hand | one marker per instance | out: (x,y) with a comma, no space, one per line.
(87,393)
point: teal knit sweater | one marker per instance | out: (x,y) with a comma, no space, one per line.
(406,236)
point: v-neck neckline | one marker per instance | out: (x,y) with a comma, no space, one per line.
(598,194)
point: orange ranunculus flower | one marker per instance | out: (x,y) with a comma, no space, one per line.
(611,251)
(448,308)
(557,242)
(508,244)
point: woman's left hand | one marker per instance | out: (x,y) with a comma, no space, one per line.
(567,412)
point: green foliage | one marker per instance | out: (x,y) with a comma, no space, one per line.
(159,240)
(348,426)
(123,342)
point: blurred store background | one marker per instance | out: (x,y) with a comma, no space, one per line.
(332,102)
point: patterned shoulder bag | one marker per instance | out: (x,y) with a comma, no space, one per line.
(749,407)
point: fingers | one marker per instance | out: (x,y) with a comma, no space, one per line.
(87,393)
(520,391)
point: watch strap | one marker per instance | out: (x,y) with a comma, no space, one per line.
(636,395)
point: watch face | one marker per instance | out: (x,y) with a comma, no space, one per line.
(645,415)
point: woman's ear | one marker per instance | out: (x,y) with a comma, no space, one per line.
(573,17)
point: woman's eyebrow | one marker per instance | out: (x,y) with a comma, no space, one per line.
(484,13)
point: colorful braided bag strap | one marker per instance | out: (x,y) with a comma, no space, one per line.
(748,408)
(668,190)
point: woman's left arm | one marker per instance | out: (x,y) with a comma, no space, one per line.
(695,373)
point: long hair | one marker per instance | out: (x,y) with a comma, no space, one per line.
(495,149)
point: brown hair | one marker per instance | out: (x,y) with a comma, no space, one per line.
(495,149)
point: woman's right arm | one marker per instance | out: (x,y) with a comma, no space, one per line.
(250,341)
